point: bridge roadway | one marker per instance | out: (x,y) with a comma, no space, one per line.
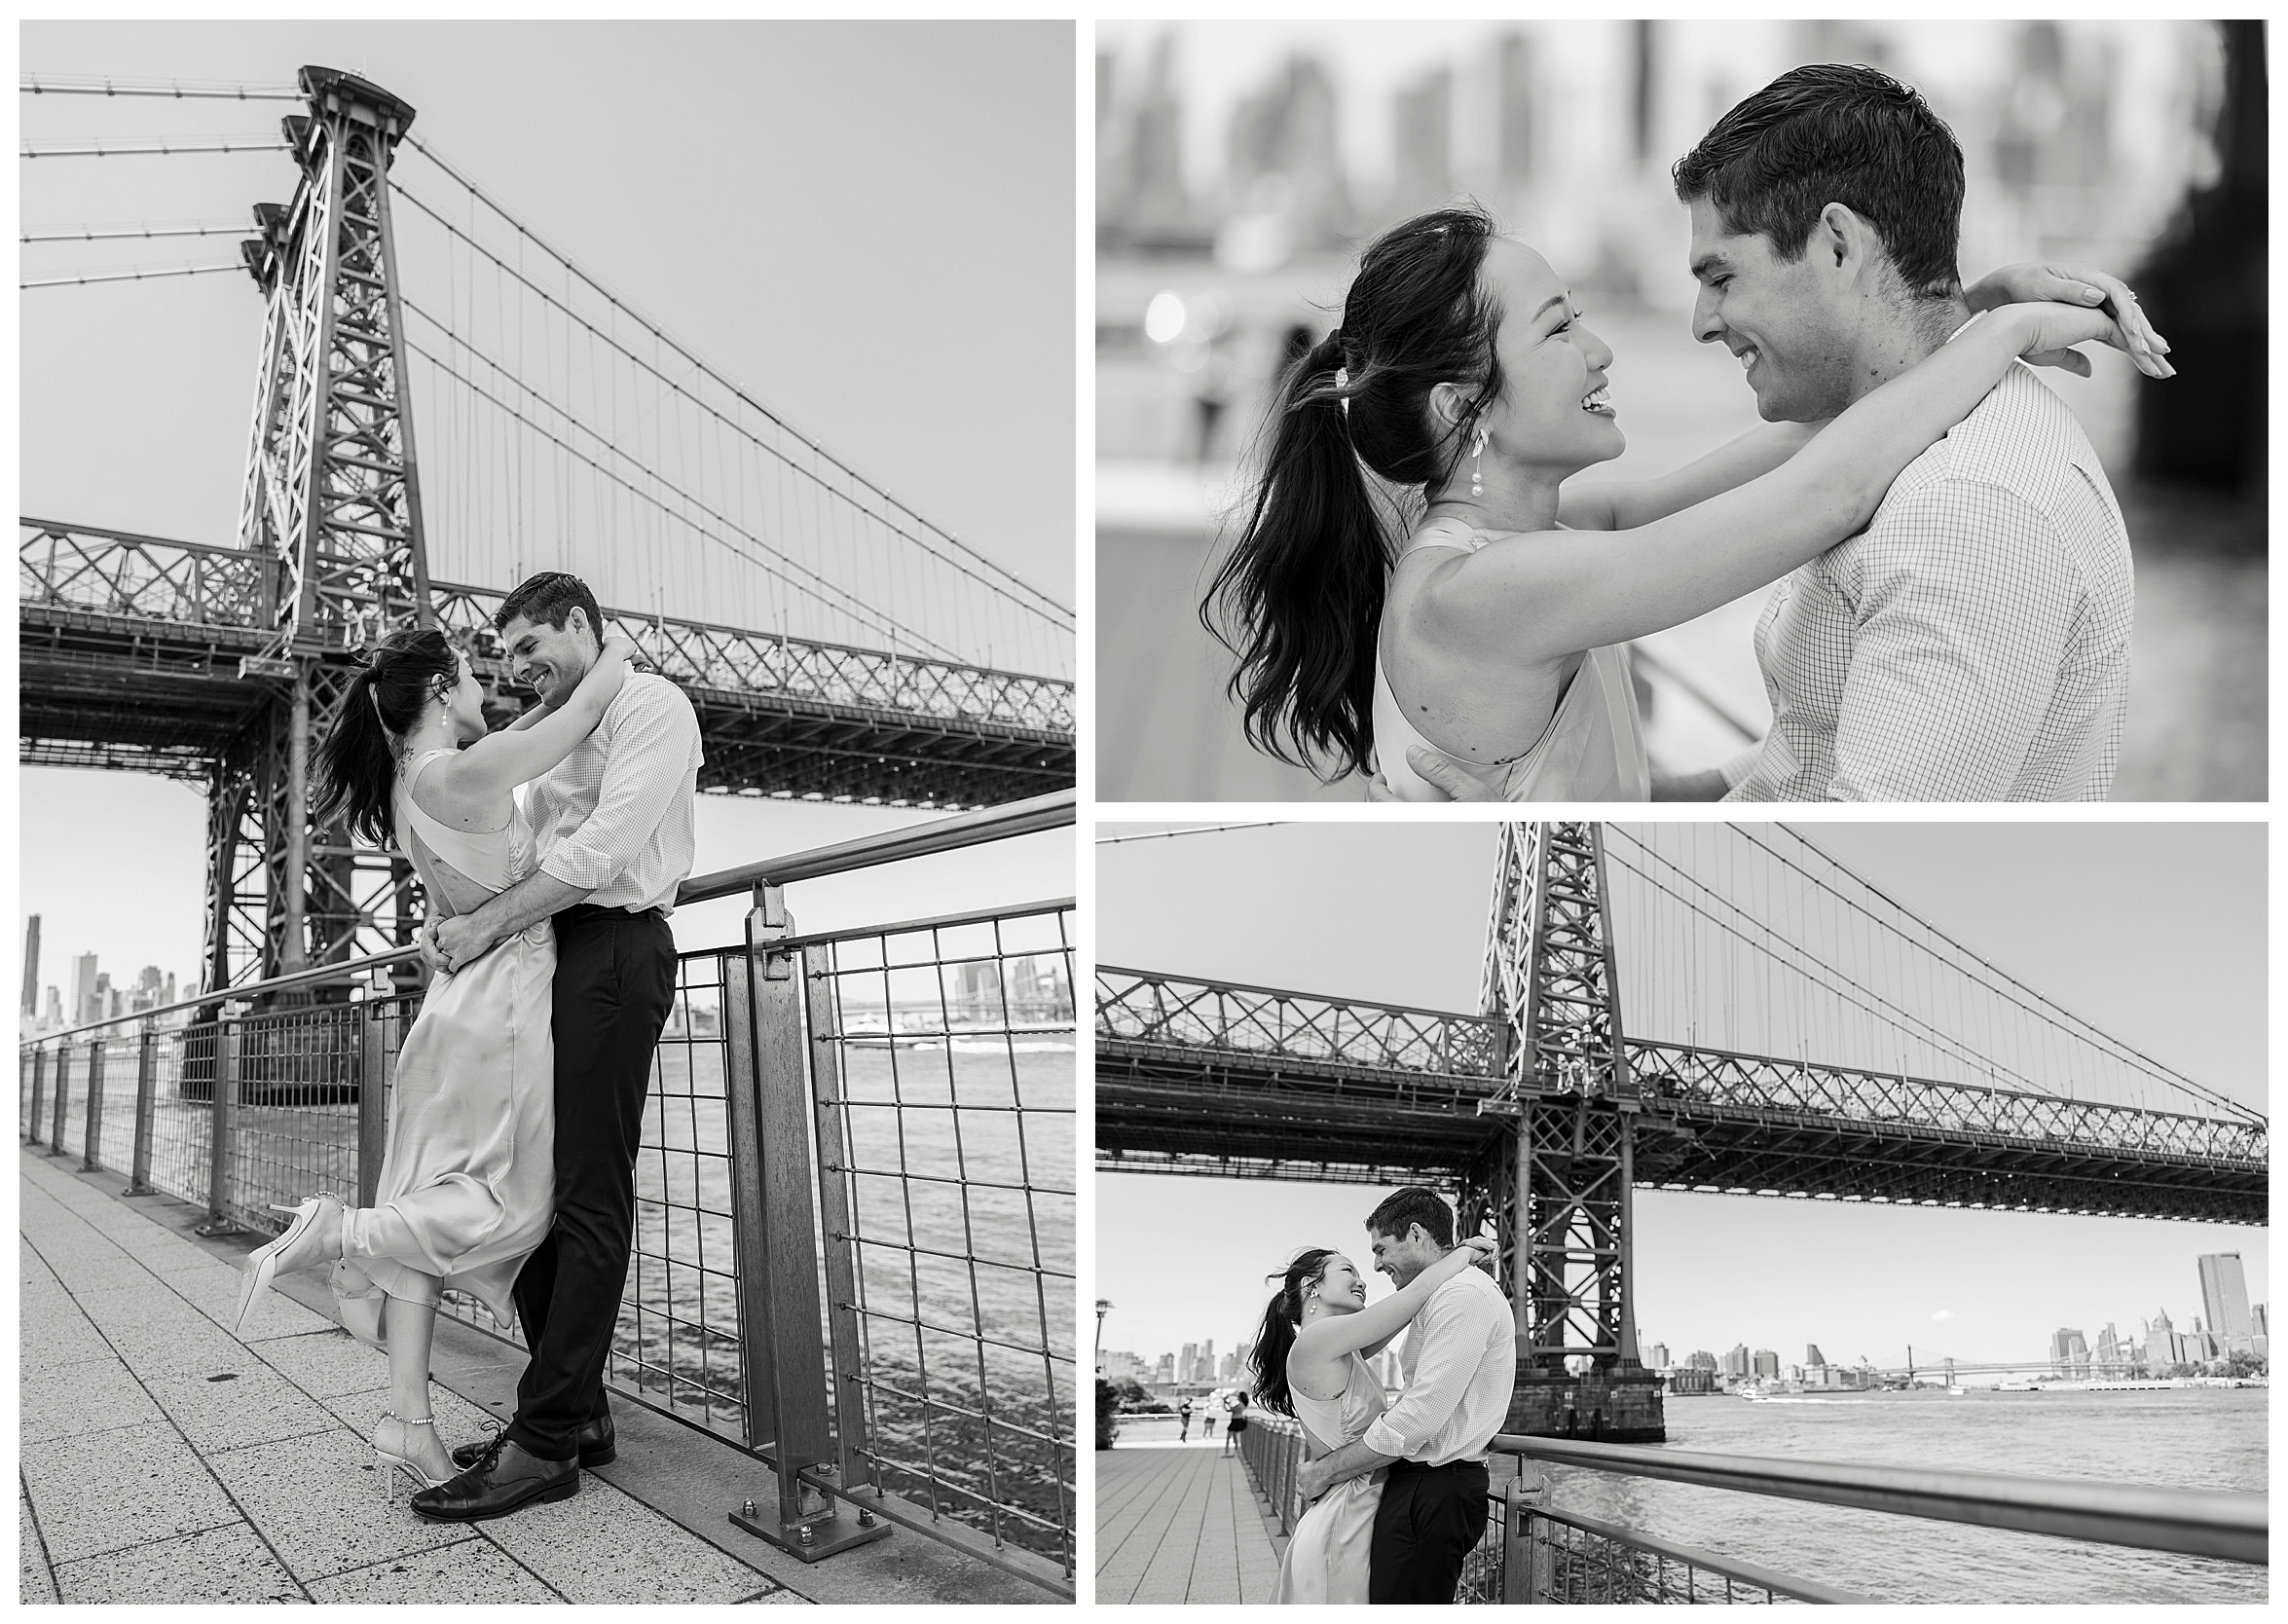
(1254,1082)
(131,649)
(164,1460)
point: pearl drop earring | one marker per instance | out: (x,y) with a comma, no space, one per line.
(1477,471)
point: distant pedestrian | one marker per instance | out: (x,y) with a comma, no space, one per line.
(1184,1421)
(1237,1404)
(1207,1425)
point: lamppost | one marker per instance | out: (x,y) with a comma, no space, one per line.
(1103,1308)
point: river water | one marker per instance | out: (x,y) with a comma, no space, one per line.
(2192,1438)
(962,1153)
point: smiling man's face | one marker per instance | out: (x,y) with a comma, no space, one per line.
(550,660)
(1777,316)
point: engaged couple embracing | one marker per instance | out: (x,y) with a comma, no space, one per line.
(1399,1489)
(1952,620)
(513,1127)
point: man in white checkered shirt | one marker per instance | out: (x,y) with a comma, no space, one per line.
(613,827)
(1973,642)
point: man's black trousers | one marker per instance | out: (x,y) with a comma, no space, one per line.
(1430,1519)
(615,981)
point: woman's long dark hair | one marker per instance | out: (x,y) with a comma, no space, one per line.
(359,760)
(1282,1318)
(1300,598)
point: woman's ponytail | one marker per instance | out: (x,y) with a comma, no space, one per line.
(1300,598)
(1282,1318)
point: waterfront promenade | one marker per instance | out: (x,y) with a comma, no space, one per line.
(163,1459)
(1180,1522)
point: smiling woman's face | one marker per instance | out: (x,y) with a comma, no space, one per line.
(1554,409)
(1341,1288)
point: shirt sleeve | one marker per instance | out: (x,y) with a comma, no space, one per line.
(1452,1326)
(1968,603)
(649,735)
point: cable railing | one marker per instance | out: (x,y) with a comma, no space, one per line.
(854,1243)
(1533,1552)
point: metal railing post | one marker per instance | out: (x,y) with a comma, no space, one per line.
(63,1099)
(1527,1567)
(146,1108)
(372,1095)
(31,1127)
(89,1161)
(852,1445)
(220,1123)
(782,1357)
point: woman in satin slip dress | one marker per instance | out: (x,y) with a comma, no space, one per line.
(1309,1363)
(466,1185)
(1457,602)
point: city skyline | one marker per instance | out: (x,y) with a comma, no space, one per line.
(1666,1353)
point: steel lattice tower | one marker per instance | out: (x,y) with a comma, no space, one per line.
(333,494)
(1557,1186)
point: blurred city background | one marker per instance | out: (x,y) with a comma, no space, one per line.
(1240,167)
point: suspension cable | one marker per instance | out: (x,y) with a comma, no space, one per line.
(163,146)
(82,278)
(178,89)
(113,233)
(882,622)
(676,387)
(1172,833)
(732,384)
(2050,1007)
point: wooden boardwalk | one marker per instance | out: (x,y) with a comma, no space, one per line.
(1180,1522)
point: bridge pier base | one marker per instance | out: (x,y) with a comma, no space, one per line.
(1613,1407)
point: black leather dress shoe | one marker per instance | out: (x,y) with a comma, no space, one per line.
(505,1479)
(593,1438)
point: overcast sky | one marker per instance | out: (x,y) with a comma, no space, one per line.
(870,226)
(2155,932)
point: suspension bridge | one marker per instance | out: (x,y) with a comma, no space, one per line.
(836,643)
(1789,1031)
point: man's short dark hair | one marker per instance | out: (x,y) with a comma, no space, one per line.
(1831,134)
(549,597)
(1402,1210)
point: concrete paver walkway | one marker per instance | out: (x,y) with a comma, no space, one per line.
(1180,1522)
(163,1459)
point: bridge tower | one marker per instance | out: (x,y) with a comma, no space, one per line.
(1558,1185)
(332,503)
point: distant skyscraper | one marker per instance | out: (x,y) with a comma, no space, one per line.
(1767,1362)
(1422,120)
(1701,1359)
(1188,1363)
(83,989)
(1656,1357)
(2257,1318)
(2163,1348)
(2069,1353)
(53,1017)
(1736,1361)
(1812,1354)
(31,967)
(2224,1297)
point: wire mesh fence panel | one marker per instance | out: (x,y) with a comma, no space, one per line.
(1587,1567)
(115,1147)
(1482,1571)
(182,1112)
(294,1117)
(66,1129)
(954,1109)
(677,1341)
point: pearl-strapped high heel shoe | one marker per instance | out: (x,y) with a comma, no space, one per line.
(312,1241)
(398,1430)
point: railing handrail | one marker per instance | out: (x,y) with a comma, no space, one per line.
(2191,1522)
(896,845)
(940,834)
